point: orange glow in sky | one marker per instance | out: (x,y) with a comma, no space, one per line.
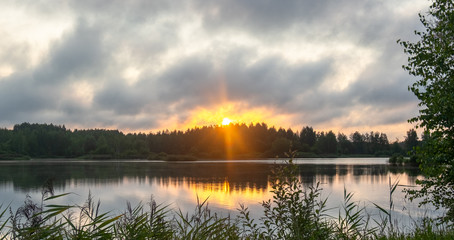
(241,113)
(225,114)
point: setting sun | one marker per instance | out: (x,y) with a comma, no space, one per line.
(226,121)
(226,113)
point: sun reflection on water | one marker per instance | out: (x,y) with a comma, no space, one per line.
(225,184)
(221,194)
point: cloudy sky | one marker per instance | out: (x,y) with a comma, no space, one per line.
(152,65)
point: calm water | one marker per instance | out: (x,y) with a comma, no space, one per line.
(226,183)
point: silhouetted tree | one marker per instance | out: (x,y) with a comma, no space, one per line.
(358,142)
(307,138)
(326,143)
(411,140)
(344,145)
(280,146)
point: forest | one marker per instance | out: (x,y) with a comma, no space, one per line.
(234,141)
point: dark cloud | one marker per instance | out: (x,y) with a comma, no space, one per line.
(187,79)
(329,18)
(120,98)
(19,96)
(191,54)
(79,54)
(273,82)
(44,87)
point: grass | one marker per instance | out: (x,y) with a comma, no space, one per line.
(294,212)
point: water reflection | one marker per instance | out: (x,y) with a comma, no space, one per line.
(226,184)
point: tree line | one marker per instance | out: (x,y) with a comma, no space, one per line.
(208,142)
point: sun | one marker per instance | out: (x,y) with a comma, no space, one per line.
(226,121)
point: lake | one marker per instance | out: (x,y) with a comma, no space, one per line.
(226,184)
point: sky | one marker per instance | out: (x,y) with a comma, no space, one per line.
(141,66)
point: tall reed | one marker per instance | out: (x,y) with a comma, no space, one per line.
(136,223)
(3,222)
(202,224)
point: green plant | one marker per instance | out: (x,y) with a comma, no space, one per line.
(431,60)
(249,228)
(294,212)
(353,223)
(204,225)
(3,224)
(89,224)
(387,224)
(135,223)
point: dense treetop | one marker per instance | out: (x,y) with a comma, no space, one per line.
(209,142)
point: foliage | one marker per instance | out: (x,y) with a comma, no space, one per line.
(326,143)
(431,59)
(353,223)
(233,141)
(345,145)
(136,223)
(411,140)
(294,212)
(308,137)
(202,224)
(280,146)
